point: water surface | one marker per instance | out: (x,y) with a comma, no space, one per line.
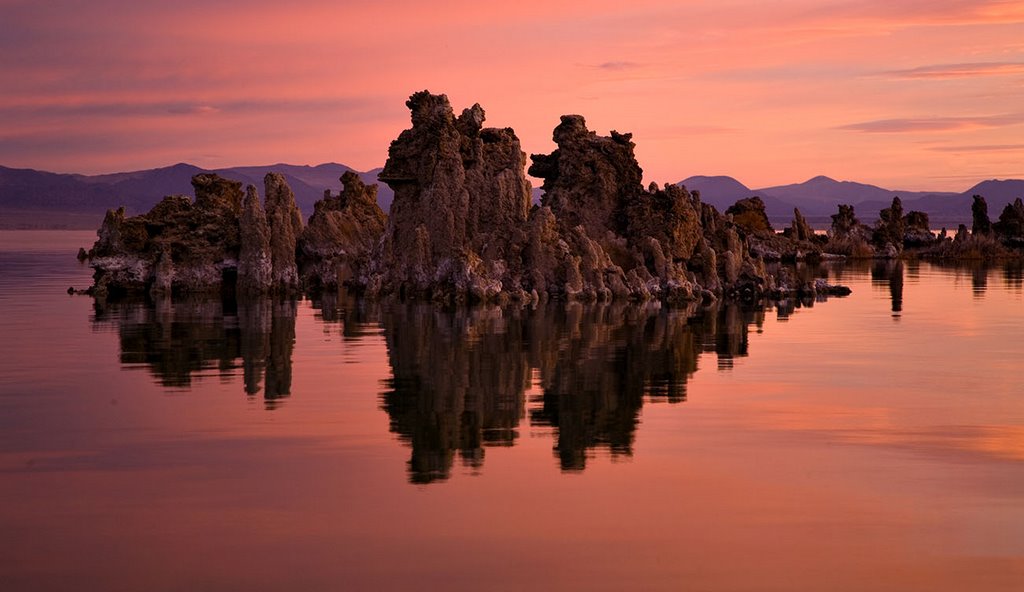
(874,442)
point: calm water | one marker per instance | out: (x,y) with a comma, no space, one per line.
(874,442)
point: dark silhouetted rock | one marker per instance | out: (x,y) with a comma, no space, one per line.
(917,231)
(848,236)
(979,211)
(890,229)
(1010,227)
(800,230)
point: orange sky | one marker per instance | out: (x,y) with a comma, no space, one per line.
(922,94)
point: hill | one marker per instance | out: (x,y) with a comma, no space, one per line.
(39,198)
(818,198)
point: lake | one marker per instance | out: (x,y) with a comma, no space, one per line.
(872,442)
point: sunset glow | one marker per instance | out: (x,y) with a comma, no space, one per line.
(921,95)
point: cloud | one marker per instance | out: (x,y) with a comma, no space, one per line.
(979,148)
(967,70)
(616,66)
(933,124)
(364,105)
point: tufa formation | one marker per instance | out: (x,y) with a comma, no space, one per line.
(462,229)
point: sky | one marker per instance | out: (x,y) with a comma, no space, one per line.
(915,95)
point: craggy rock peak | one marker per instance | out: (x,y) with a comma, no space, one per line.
(335,248)
(888,236)
(460,228)
(255,268)
(1010,227)
(187,246)
(589,179)
(461,201)
(979,210)
(749,214)
(285,219)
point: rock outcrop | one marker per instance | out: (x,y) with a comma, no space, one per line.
(749,214)
(255,268)
(889,230)
(457,222)
(589,179)
(335,248)
(216,241)
(460,227)
(979,212)
(848,236)
(285,219)
(1010,226)
(917,231)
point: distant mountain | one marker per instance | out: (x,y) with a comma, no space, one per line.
(25,192)
(820,196)
(719,188)
(722,191)
(40,198)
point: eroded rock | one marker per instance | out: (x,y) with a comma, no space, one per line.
(336,246)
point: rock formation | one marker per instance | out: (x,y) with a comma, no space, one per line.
(888,235)
(800,230)
(336,246)
(457,221)
(589,179)
(254,264)
(749,214)
(285,220)
(461,227)
(848,236)
(917,231)
(979,212)
(199,246)
(1010,227)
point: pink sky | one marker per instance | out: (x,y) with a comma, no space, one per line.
(907,95)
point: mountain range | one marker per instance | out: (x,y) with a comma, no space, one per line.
(819,197)
(39,198)
(31,198)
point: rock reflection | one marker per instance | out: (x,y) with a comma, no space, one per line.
(178,340)
(458,383)
(890,272)
(460,378)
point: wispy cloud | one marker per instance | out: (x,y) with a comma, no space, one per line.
(186,108)
(979,148)
(933,124)
(967,70)
(617,66)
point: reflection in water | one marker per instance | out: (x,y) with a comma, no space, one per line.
(179,339)
(467,379)
(460,378)
(890,272)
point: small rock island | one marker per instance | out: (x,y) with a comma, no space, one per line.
(462,228)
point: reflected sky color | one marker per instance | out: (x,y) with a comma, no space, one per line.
(840,447)
(907,95)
